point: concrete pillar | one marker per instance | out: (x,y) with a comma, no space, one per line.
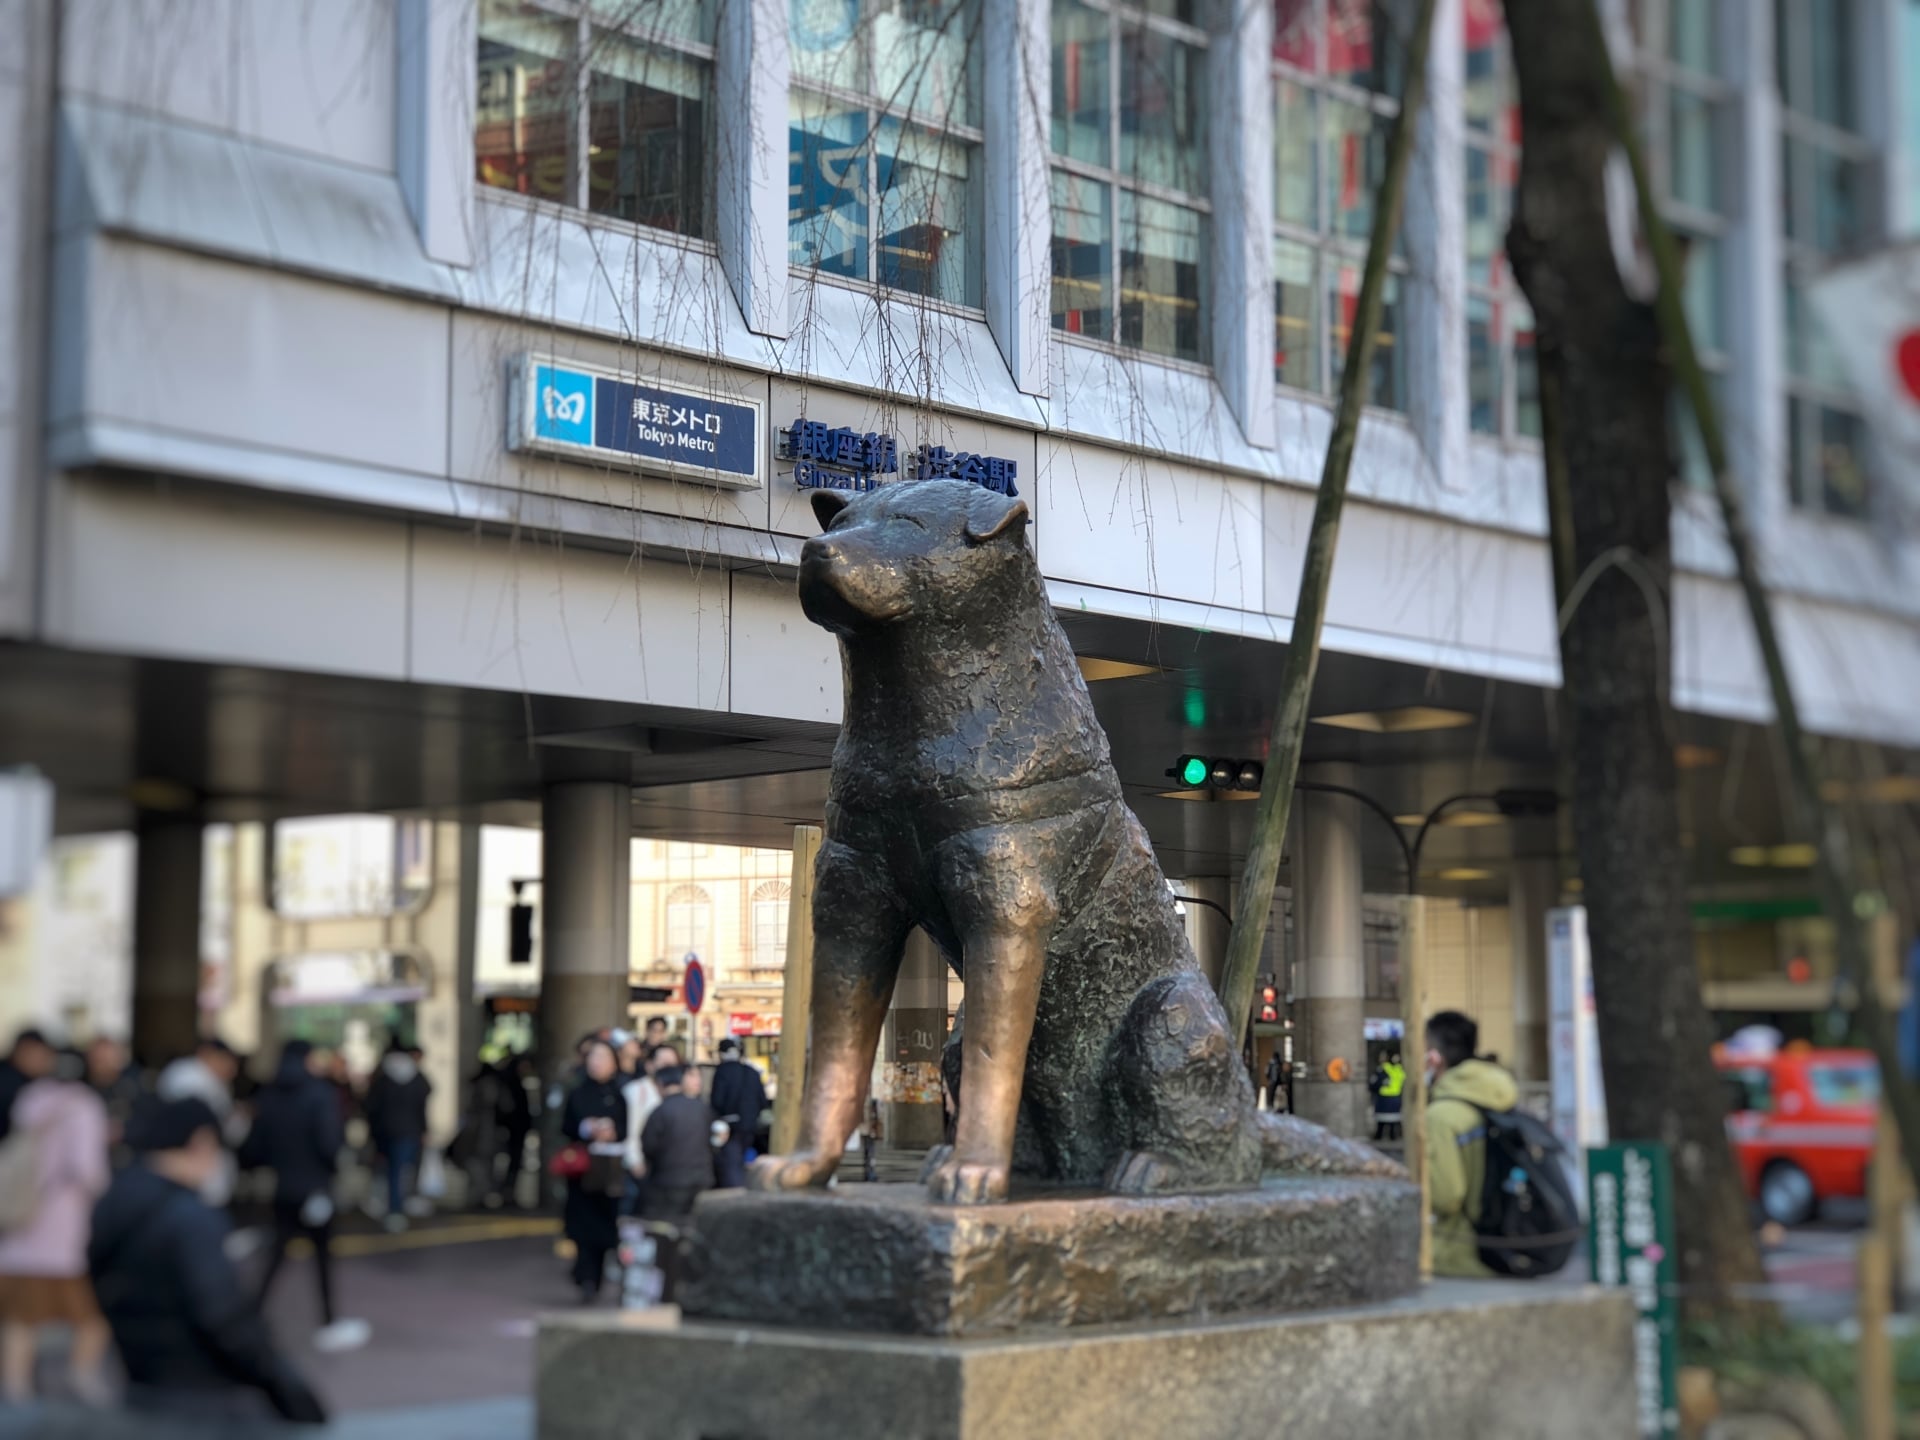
(1333,961)
(586,834)
(1206,927)
(166,938)
(1532,889)
(910,1047)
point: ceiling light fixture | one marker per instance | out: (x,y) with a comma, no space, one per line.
(1460,872)
(1094,668)
(1798,856)
(1405,720)
(1696,757)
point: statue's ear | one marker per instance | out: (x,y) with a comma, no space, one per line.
(1010,520)
(829,503)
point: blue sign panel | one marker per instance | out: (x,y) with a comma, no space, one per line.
(580,413)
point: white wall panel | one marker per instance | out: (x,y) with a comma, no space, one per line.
(783,664)
(156,570)
(317,77)
(1128,523)
(201,347)
(169,57)
(529,614)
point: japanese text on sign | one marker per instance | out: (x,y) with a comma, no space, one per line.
(578,413)
(842,458)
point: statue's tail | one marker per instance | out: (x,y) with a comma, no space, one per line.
(1292,1146)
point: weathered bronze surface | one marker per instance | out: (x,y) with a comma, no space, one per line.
(884,1258)
(973,795)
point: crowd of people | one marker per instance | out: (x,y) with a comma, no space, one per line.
(641,1138)
(117,1188)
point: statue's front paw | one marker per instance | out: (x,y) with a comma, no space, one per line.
(952,1181)
(791,1172)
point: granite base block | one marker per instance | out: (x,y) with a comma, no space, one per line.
(884,1258)
(1491,1360)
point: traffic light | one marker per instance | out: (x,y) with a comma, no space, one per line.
(1269,1005)
(1192,771)
(519,929)
(1199,772)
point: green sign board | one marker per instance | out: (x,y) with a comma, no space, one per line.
(1630,1230)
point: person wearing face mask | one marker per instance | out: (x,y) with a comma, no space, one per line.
(1463,1087)
(297,1133)
(190,1336)
(595,1118)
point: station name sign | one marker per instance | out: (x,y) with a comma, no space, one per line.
(842,458)
(581,413)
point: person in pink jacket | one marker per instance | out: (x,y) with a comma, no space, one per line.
(43,1263)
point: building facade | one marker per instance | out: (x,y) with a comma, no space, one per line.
(409,407)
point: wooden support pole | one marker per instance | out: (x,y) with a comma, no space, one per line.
(1413,1055)
(796,995)
(1876,1349)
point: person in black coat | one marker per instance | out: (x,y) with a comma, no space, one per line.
(190,1337)
(677,1144)
(595,1116)
(297,1133)
(396,1112)
(738,1097)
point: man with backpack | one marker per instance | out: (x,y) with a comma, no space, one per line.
(1531,1224)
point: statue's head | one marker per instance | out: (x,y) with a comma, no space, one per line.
(915,549)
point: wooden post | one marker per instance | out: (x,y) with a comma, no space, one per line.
(1876,1351)
(1413,1056)
(796,995)
(1889,1188)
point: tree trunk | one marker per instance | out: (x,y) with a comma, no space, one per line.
(1599,349)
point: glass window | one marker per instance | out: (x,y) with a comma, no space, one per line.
(1130,183)
(689,923)
(1337,74)
(1162,276)
(642,73)
(827,186)
(885,118)
(524,107)
(1685,111)
(1387,382)
(1296,315)
(1495,368)
(1082,256)
(1826,215)
(1845,1086)
(769,926)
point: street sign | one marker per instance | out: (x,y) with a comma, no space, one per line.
(597,417)
(1579,1098)
(1630,1205)
(694,985)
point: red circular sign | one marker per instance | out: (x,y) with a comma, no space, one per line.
(694,986)
(1906,356)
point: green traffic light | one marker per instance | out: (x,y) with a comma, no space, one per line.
(1193,771)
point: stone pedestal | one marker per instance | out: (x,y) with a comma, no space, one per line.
(1492,1360)
(883,1258)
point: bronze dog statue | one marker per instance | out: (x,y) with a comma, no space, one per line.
(973,795)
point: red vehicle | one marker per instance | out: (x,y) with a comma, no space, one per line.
(1802,1125)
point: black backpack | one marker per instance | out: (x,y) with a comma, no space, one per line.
(1529,1219)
